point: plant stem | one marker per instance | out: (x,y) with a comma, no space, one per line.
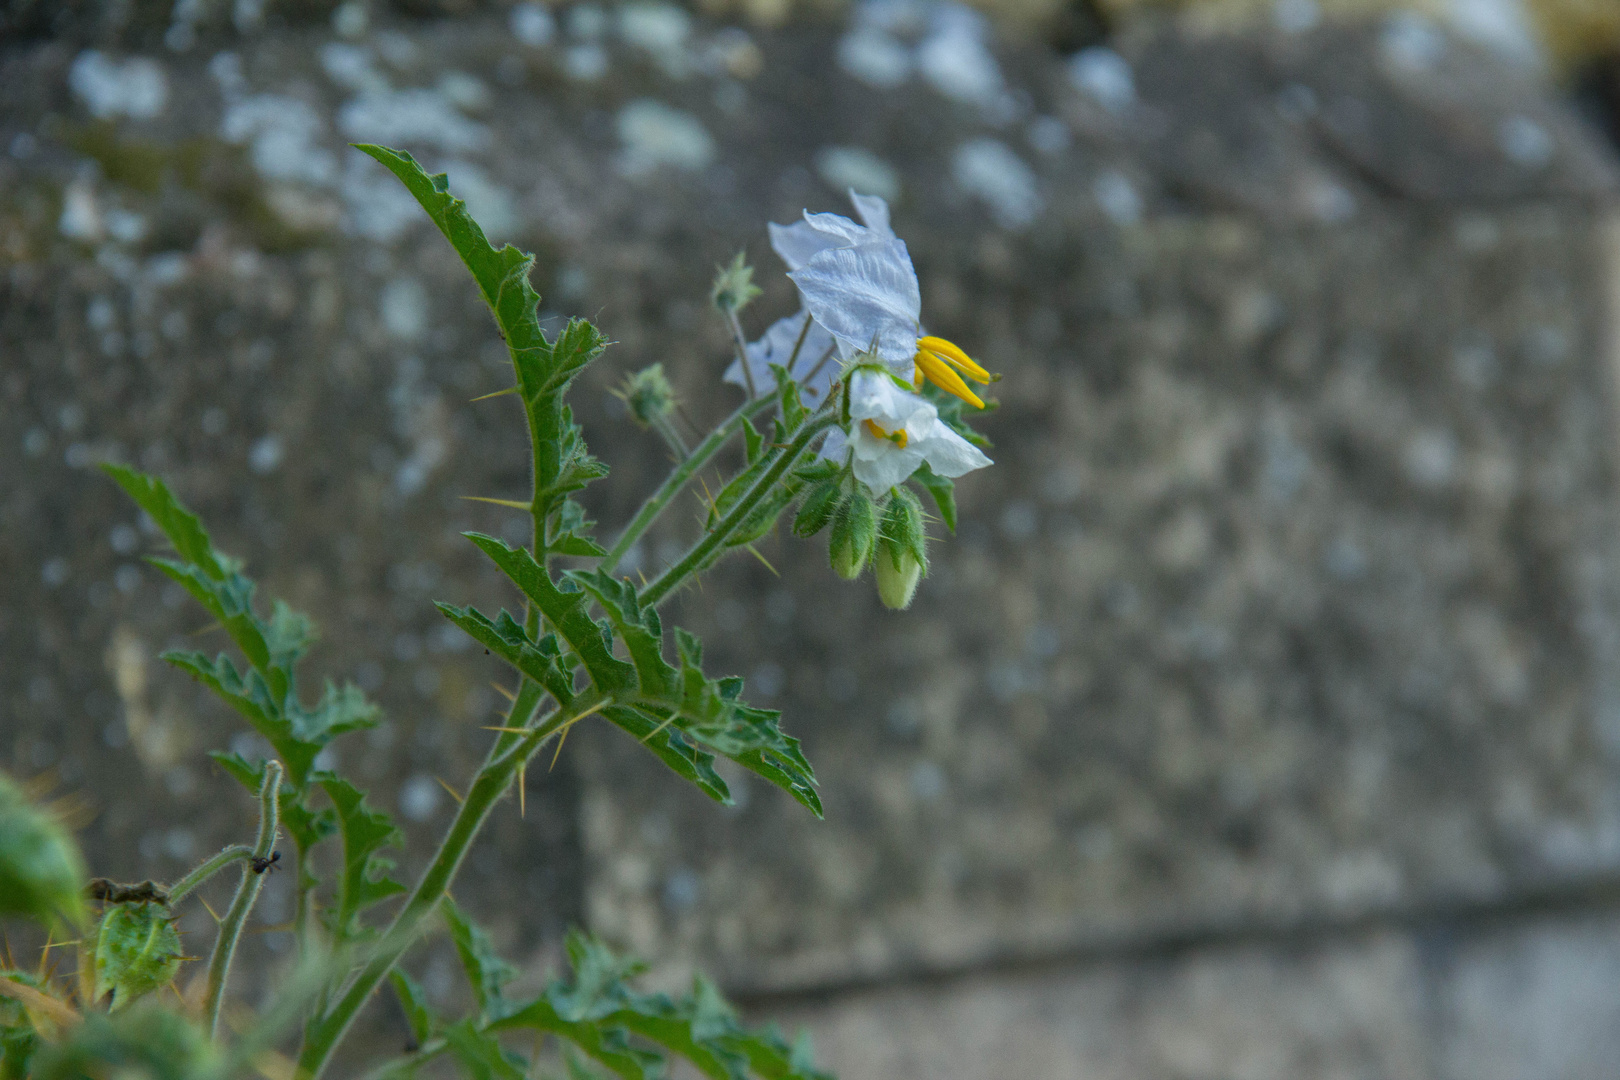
(230,928)
(207,870)
(678,479)
(492,781)
(741,341)
(694,559)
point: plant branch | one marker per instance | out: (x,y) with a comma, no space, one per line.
(212,866)
(694,559)
(230,928)
(678,479)
(741,341)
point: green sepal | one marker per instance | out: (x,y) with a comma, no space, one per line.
(487,972)
(753,441)
(901,531)
(364,880)
(942,490)
(137,951)
(817,508)
(854,531)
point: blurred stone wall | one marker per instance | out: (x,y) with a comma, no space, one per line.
(1260,721)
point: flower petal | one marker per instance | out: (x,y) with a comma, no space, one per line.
(874,211)
(874,396)
(812,368)
(867,297)
(879,463)
(798,242)
(947,453)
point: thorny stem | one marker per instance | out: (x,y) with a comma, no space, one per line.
(230,928)
(491,782)
(672,438)
(207,870)
(678,479)
(695,558)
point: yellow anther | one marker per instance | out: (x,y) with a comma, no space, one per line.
(898,437)
(940,374)
(953,355)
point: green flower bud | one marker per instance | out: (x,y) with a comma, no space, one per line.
(902,550)
(817,509)
(41,871)
(137,951)
(648,395)
(854,530)
(734,286)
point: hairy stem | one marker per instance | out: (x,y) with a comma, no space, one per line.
(676,575)
(741,341)
(679,478)
(507,754)
(230,928)
(210,867)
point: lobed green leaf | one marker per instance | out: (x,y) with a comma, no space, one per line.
(364,880)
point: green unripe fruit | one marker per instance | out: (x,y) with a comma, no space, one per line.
(854,531)
(902,550)
(137,951)
(41,871)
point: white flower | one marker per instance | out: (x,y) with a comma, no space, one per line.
(858,283)
(813,368)
(894,431)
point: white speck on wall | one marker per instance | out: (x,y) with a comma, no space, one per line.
(660,29)
(411,117)
(585,63)
(352,68)
(351,20)
(587,22)
(655,136)
(1117,197)
(989,171)
(1525,142)
(419,797)
(845,167)
(376,205)
(1048,135)
(135,88)
(1430,459)
(283,135)
(81,217)
(1330,201)
(404,309)
(1295,16)
(266,455)
(1503,26)
(533,25)
(955,58)
(875,57)
(1410,42)
(1104,76)
(466,92)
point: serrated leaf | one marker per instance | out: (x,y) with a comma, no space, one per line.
(487,972)
(251,697)
(480,1055)
(413,1003)
(942,490)
(668,744)
(137,951)
(506,638)
(566,613)
(366,832)
(606,1045)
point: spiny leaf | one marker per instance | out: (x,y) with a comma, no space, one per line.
(506,638)
(251,696)
(671,747)
(486,972)
(366,832)
(566,613)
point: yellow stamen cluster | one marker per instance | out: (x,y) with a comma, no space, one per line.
(896,437)
(939,360)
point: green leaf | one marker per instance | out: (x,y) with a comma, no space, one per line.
(366,832)
(672,747)
(942,490)
(790,410)
(608,1046)
(137,951)
(487,972)
(251,696)
(752,441)
(480,1055)
(566,613)
(413,1002)
(506,638)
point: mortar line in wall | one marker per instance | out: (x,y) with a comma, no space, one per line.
(1597,897)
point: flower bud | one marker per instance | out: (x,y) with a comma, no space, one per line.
(734,285)
(817,509)
(854,531)
(902,550)
(41,871)
(648,395)
(137,951)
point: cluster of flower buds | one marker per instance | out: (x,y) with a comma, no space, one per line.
(900,391)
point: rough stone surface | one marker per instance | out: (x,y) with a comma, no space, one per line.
(1289,601)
